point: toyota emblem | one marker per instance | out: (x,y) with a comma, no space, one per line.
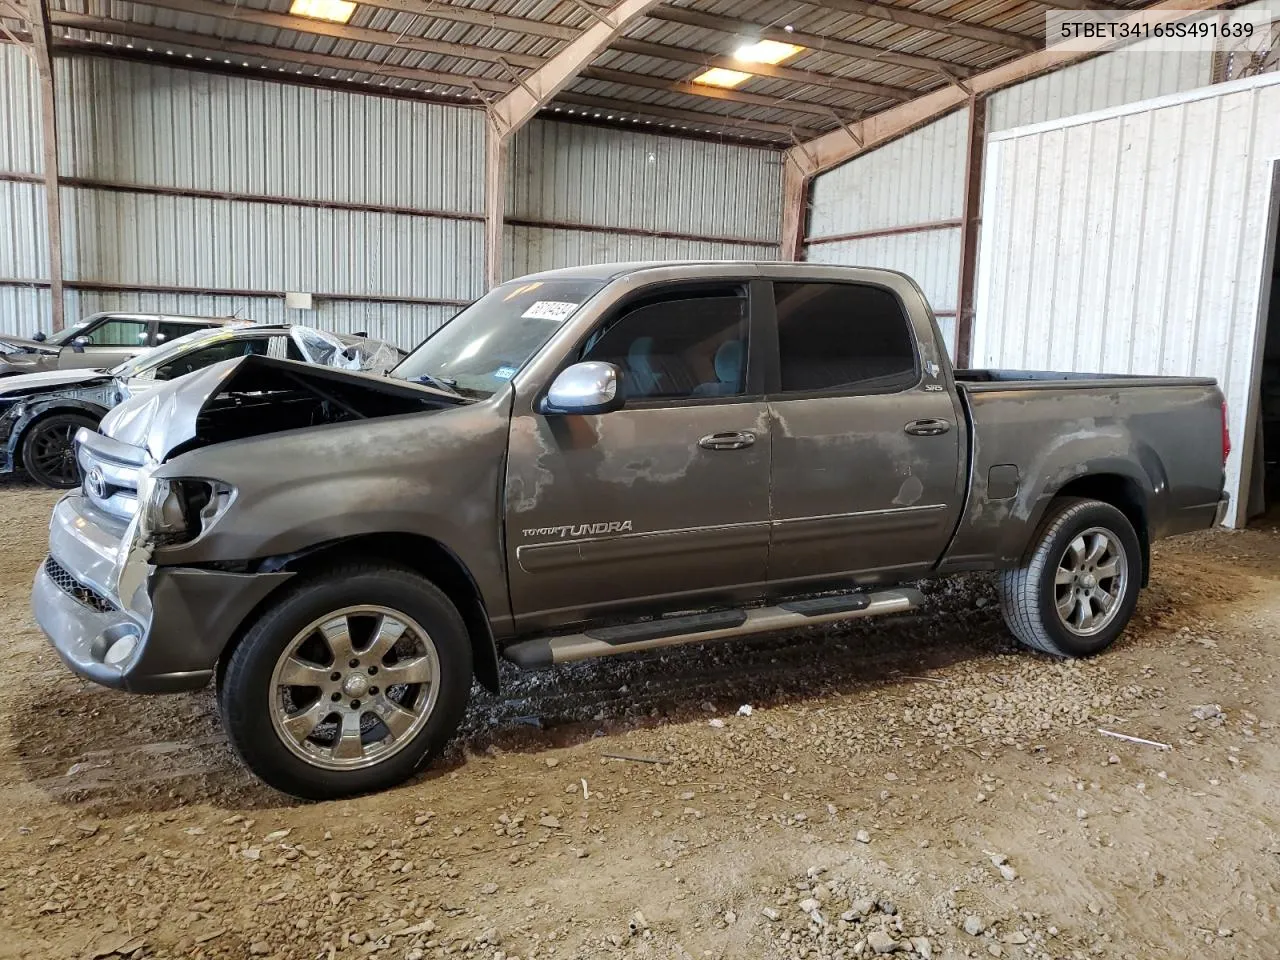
(96,483)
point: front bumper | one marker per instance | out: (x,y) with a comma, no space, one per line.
(172,636)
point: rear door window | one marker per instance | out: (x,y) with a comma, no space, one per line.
(843,337)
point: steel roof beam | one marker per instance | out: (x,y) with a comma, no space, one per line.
(947,26)
(837,147)
(535,91)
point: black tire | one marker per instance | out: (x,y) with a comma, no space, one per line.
(247,697)
(1030,593)
(48,450)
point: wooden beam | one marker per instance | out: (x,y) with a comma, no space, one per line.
(262,51)
(815,42)
(42,45)
(795,204)
(522,102)
(495,189)
(826,81)
(928,21)
(837,147)
(970,217)
(711,93)
(515,109)
(774,130)
(341,31)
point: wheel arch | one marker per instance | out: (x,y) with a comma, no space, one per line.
(40,411)
(1126,495)
(423,555)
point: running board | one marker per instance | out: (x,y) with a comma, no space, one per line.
(718,625)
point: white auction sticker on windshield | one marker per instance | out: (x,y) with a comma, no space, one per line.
(549,310)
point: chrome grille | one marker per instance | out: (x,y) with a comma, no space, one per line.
(77,590)
(110,484)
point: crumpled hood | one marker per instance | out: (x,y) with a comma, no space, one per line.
(33,346)
(26,384)
(257,392)
(161,419)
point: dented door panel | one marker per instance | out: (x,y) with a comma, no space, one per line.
(854,494)
(608,510)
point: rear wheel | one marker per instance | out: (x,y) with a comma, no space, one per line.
(348,684)
(1078,583)
(48,449)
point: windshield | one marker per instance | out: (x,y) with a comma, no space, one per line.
(143,362)
(486,344)
(70,333)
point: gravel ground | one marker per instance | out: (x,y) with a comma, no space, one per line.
(916,785)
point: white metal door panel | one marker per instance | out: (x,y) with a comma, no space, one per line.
(1132,240)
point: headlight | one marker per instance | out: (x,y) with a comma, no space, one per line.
(179,510)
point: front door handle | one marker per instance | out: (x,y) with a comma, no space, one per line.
(930,427)
(727,441)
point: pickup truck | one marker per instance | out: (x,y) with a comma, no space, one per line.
(596,461)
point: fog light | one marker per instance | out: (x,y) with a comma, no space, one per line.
(121,650)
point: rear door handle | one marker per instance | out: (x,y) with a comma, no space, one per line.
(727,441)
(930,427)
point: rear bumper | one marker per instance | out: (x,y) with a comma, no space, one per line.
(166,637)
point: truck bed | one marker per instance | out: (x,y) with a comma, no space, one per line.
(1156,442)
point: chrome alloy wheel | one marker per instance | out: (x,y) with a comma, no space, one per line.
(354,687)
(1090,582)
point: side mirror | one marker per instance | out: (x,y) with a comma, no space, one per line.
(585,388)
(78,344)
(39,336)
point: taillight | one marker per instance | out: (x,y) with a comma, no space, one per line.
(1226,435)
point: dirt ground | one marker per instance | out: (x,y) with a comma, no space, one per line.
(917,785)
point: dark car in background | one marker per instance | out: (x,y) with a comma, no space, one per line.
(41,412)
(101,340)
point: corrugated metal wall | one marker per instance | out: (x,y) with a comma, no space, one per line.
(1132,241)
(564,175)
(1139,72)
(304,173)
(915,180)
(137,123)
(20,129)
(1105,81)
(23,241)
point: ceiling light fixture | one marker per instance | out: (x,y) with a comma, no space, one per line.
(337,11)
(766,51)
(720,77)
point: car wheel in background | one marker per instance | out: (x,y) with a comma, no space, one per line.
(48,449)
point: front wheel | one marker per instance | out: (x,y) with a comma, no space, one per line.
(48,449)
(1077,585)
(348,684)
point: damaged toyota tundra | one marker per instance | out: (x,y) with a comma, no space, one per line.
(595,461)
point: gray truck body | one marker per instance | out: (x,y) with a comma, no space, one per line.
(537,523)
